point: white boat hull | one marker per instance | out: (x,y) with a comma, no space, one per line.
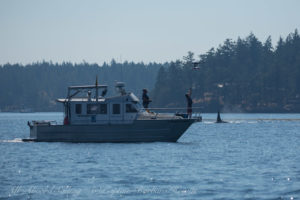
(139,131)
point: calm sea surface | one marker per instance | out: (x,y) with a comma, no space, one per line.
(255,156)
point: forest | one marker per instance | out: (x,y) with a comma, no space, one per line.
(35,87)
(243,75)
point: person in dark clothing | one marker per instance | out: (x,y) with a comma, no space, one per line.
(189,103)
(146,99)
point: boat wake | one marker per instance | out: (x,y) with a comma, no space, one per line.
(16,140)
(248,121)
(227,122)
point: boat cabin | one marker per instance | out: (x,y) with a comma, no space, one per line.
(84,105)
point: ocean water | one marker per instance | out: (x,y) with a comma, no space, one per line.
(254,156)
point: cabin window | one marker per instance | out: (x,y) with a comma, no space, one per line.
(103,109)
(96,109)
(78,108)
(130,108)
(91,108)
(116,109)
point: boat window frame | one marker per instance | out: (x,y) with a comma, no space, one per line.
(78,108)
(114,107)
(101,109)
(129,108)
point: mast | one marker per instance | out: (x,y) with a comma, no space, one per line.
(96,84)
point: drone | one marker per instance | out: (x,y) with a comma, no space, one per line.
(196,65)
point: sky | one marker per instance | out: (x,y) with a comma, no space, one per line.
(96,31)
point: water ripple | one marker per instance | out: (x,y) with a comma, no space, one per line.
(248,158)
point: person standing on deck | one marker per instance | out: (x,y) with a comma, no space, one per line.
(189,100)
(146,99)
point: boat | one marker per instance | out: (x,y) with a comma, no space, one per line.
(90,117)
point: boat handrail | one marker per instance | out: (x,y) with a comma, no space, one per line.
(87,87)
(179,108)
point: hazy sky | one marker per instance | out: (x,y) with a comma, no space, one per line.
(134,30)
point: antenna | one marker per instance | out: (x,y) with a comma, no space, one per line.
(121,67)
(96,84)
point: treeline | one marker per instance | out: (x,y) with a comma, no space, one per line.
(35,87)
(245,75)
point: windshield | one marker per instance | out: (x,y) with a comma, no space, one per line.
(134,98)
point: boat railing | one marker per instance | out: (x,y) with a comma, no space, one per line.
(172,109)
(169,113)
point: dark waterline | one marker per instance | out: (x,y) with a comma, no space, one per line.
(254,156)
